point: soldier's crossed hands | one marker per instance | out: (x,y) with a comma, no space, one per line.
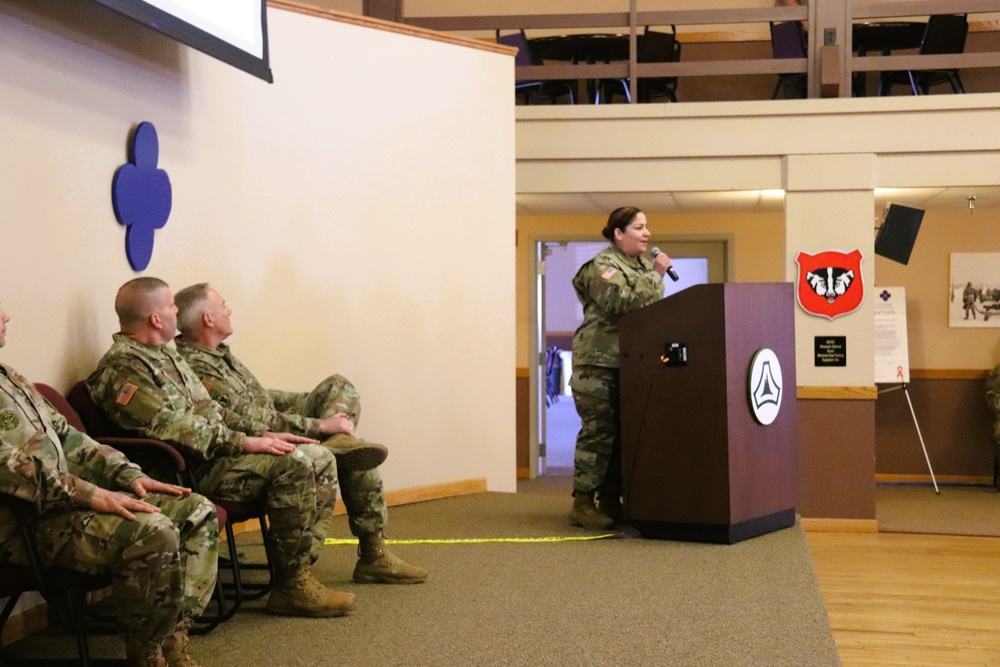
(338,423)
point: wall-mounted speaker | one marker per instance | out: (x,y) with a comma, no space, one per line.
(898,232)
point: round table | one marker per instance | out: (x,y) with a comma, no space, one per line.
(887,37)
(586,48)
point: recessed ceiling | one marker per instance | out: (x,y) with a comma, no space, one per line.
(750,201)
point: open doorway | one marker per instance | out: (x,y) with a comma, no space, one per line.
(560,313)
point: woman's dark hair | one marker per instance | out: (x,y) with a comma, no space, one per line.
(619,219)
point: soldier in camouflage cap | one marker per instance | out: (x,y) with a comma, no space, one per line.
(99,513)
(145,387)
(331,411)
(993,400)
(619,280)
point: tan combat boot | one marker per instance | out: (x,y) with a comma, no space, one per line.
(354,453)
(585,514)
(143,655)
(378,565)
(175,646)
(611,506)
(299,594)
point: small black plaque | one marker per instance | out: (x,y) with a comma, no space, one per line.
(831,350)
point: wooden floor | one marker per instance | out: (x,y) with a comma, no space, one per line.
(900,599)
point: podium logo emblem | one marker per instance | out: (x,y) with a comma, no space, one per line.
(830,283)
(764,386)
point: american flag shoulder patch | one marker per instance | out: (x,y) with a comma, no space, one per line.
(126,394)
(609,273)
(208,385)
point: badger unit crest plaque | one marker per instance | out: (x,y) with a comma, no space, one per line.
(830,283)
(764,386)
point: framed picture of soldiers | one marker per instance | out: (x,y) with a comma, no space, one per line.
(974,290)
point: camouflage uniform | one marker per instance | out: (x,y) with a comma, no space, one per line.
(993,400)
(162,565)
(609,286)
(232,384)
(150,390)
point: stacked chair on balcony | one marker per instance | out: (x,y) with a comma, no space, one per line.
(534,91)
(788,41)
(945,33)
(654,47)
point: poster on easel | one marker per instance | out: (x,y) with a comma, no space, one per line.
(892,358)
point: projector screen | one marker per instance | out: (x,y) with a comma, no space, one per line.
(234,31)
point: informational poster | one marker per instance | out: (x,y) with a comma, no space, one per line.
(892,358)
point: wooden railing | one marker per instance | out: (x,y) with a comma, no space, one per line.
(634,21)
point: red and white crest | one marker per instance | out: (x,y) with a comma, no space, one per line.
(830,282)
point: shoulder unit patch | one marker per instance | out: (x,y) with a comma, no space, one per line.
(9,420)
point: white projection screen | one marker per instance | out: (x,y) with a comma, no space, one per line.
(234,31)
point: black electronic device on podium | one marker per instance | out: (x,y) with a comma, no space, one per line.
(708,405)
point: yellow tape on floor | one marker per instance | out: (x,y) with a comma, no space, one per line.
(478,540)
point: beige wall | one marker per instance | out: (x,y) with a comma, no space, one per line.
(341,211)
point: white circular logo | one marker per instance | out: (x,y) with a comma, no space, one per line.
(764,386)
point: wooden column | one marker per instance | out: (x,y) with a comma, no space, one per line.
(830,46)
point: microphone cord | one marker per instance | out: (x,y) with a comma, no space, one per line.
(635,457)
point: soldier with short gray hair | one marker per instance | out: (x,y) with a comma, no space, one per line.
(99,513)
(329,412)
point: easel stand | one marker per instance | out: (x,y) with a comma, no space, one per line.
(919,434)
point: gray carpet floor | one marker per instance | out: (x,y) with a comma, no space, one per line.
(957,510)
(621,600)
(616,601)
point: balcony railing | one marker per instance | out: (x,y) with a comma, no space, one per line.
(838,58)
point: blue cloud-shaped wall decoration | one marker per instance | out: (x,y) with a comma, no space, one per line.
(141,195)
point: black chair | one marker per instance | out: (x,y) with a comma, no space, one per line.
(62,589)
(98,426)
(788,40)
(529,91)
(654,47)
(945,33)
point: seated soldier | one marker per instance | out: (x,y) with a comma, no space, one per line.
(99,513)
(993,400)
(147,388)
(330,411)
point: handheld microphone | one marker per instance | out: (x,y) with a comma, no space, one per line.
(654,251)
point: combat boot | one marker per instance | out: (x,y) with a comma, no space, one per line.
(610,505)
(354,453)
(585,515)
(143,655)
(378,565)
(175,646)
(299,594)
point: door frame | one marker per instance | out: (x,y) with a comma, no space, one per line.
(536,353)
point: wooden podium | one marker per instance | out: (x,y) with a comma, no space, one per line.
(697,463)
